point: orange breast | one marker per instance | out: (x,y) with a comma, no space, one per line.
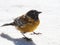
(29,27)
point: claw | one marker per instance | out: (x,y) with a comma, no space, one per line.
(28,39)
(36,33)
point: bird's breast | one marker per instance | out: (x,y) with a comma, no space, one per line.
(30,27)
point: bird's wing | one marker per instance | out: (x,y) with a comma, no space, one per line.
(20,21)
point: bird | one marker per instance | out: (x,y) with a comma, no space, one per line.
(26,23)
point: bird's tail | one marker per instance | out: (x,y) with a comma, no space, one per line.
(8,24)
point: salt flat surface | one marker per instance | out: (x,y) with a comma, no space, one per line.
(49,26)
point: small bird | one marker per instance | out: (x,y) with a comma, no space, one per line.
(26,23)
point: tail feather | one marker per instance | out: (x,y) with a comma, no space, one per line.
(8,24)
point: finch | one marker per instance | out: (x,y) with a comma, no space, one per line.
(27,22)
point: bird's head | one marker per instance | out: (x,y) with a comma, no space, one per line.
(33,14)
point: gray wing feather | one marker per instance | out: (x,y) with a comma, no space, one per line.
(19,22)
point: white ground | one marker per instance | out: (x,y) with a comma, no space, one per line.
(49,26)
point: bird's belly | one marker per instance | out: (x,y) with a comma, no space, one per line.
(28,27)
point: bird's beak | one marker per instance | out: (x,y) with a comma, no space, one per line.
(39,12)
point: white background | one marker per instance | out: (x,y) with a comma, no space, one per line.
(49,26)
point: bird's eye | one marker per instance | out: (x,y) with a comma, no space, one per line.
(33,12)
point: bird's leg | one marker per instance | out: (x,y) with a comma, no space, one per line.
(36,33)
(23,34)
(28,39)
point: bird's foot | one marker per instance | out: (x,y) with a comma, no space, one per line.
(28,39)
(36,33)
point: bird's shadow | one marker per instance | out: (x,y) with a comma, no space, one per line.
(20,41)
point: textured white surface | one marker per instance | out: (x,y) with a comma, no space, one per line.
(50,21)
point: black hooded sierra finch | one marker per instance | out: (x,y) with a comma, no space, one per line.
(26,23)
